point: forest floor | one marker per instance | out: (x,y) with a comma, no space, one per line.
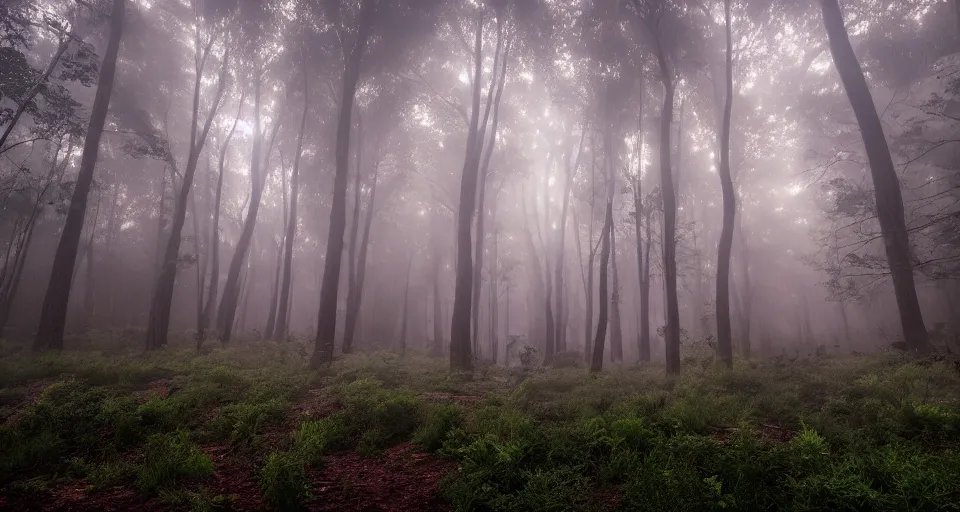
(250,428)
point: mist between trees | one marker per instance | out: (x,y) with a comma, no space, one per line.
(599,180)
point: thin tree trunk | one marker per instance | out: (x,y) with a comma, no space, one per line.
(438,341)
(258,173)
(406,307)
(54,313)
(724,251)
(588,291)
(561,327)
(284,309)
(159,320)
(596,361)
(616,330)
(645,291)
(274,294)
(215,232)
(350,324)
(672,338)
(461,356)
(643,334)
(885,180)
(550,342)
(88,295)
(329,288)
(353,311)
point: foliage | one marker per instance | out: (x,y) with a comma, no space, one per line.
(169,459)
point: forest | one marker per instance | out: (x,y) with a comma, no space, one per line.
(480,255)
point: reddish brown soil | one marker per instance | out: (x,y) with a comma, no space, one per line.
(403,479)
(74,496)
(234,475)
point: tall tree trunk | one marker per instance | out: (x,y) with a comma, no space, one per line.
(588,284)
(596,361)
(353,306)
(550,346)
(746,293)
(616,330)
(274,294)
(461,356)
(330,286)
(561,327)
(227,312)
(494,291)
(284,309)
(215,231)
(54,313)
(725,249)
(885,181)
(672,338)
(438,341)
(645,290)
(88,289)
(406,308)
(500,80)
(349,324)
(159,320)
(643,334)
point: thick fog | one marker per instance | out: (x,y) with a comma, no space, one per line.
(456,177)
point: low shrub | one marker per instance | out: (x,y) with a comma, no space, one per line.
(169,459)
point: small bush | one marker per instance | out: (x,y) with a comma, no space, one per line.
(170,458)
(439,421)
(316,438)
(109,474)
(240,423)
(283,481)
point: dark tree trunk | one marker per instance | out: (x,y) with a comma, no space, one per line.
(724,335)
(330,286)
(885,181)
(54,313)
(596,361)
(461,356)
(215,232)
(672,335)
(284,309)
(159,320)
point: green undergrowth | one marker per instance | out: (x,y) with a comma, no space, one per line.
(869,433)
